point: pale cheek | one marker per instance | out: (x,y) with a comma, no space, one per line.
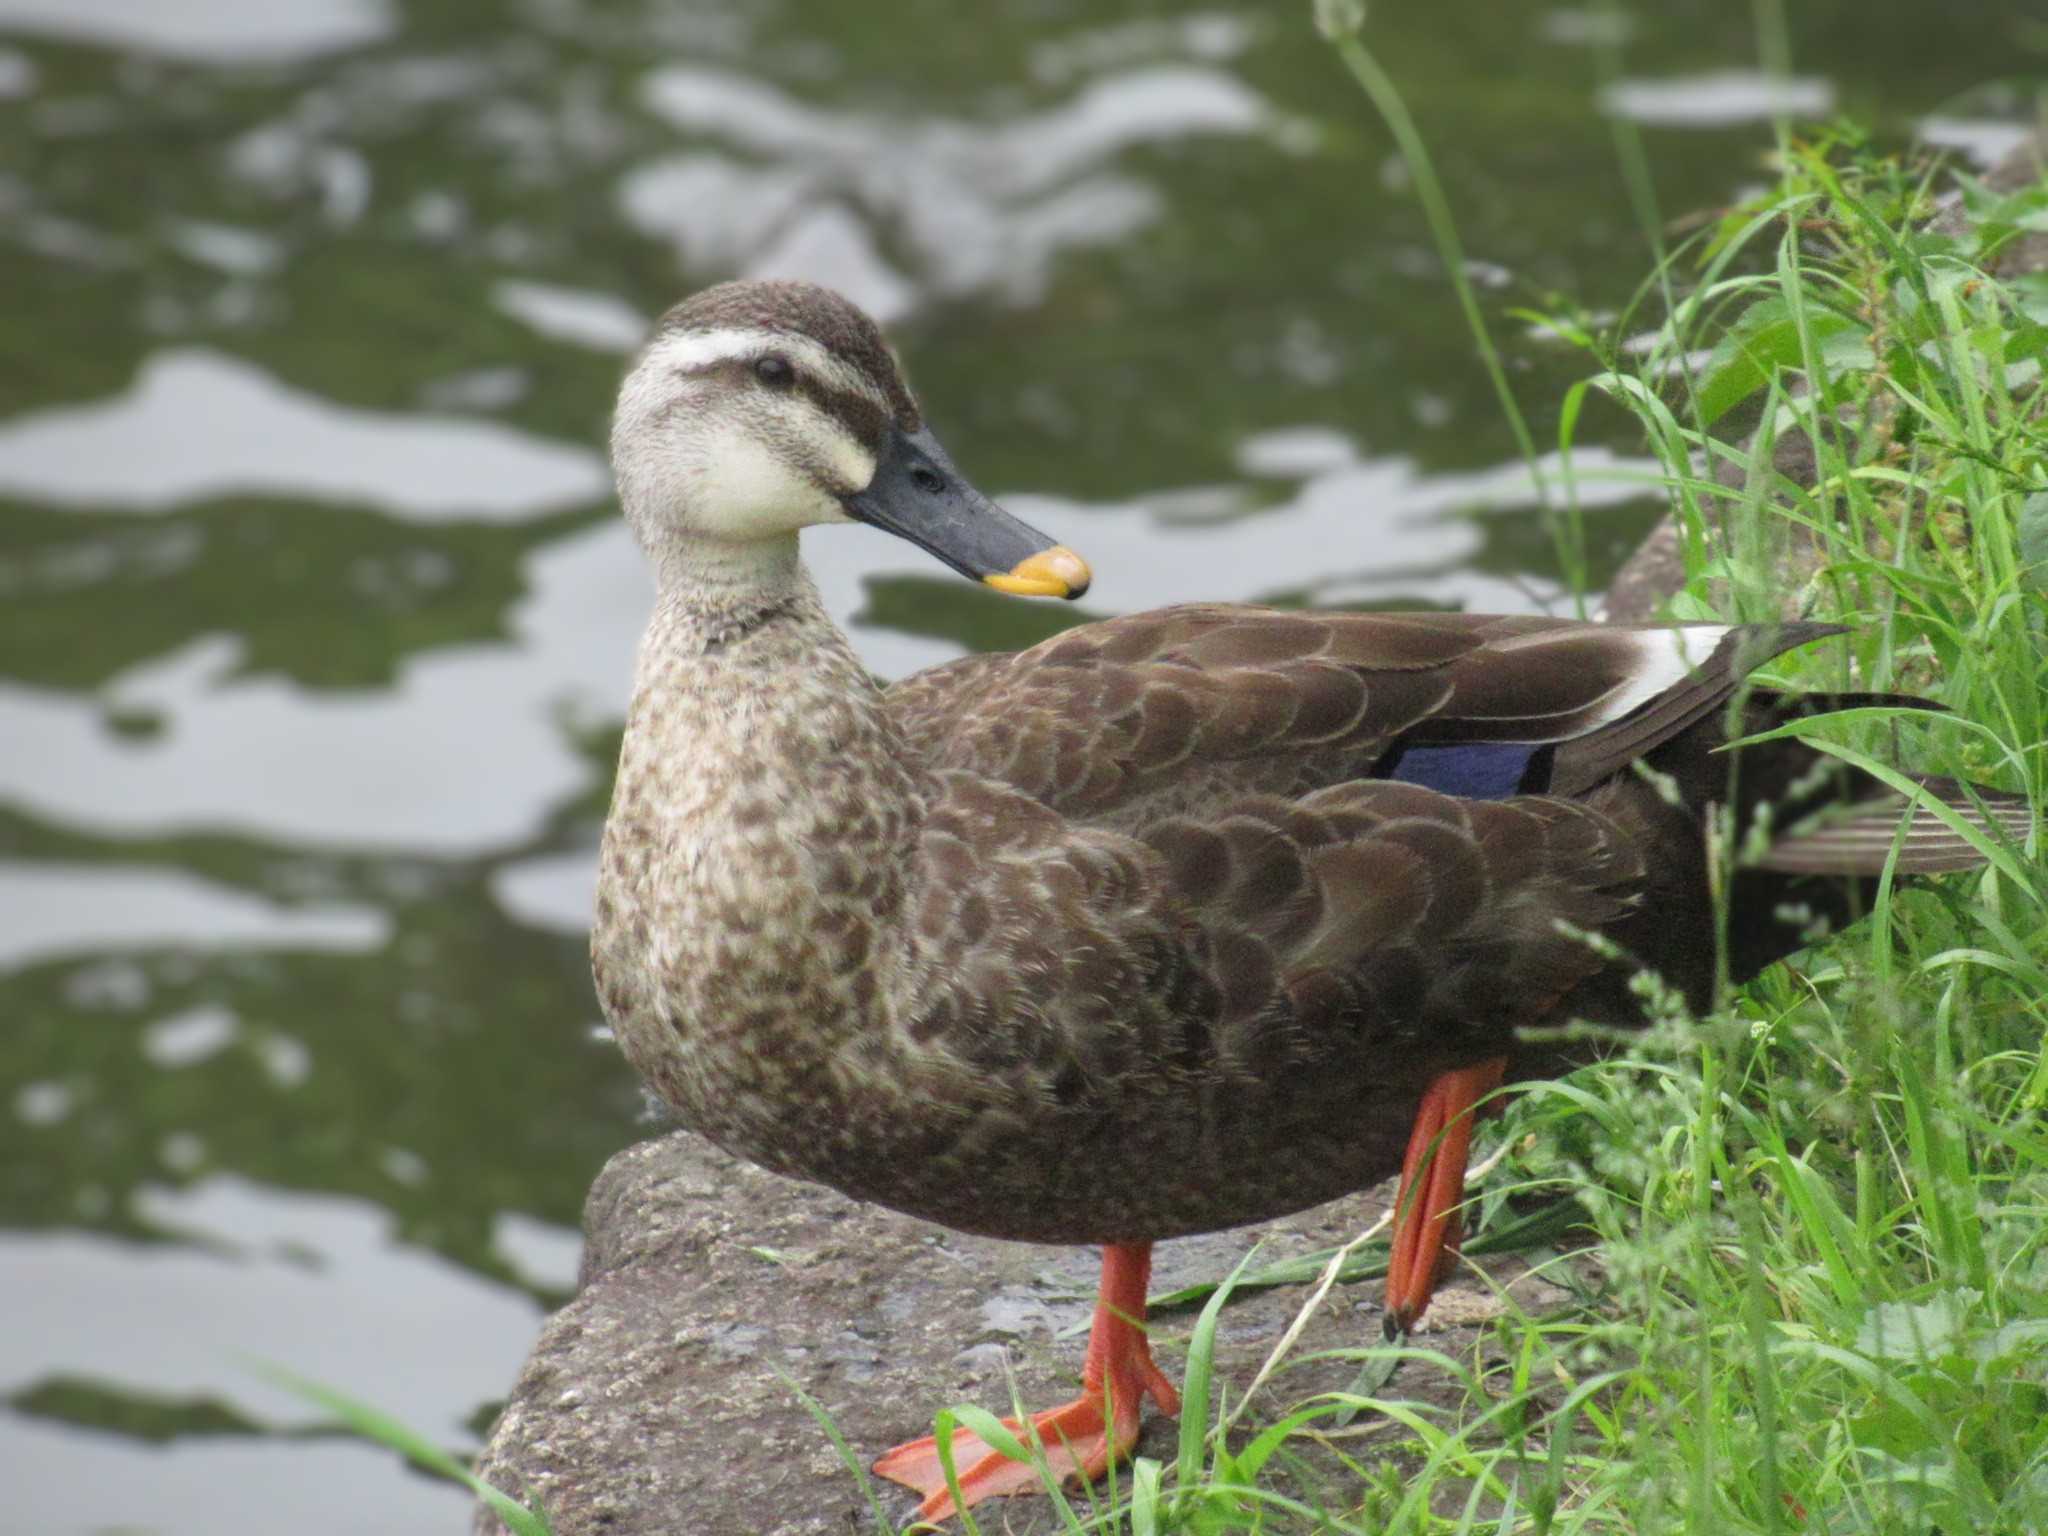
(744,490)
(852,466)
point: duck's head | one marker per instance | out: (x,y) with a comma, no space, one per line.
(761,408)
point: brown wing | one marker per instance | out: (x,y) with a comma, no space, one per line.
(1178,710)
(1392,910)
(1229,1015)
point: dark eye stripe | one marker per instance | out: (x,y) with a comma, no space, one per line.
(862,417)
(854,410)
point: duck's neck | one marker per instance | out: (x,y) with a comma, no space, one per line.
(757,850)
(710,588)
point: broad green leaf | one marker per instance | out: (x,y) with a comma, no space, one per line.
(2032,532)
(1765,339)
(1928,1330)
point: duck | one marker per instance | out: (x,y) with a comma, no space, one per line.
(1178,921)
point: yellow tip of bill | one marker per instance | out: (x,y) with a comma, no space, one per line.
(1055,572)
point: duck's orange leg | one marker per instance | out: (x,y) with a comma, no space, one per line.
(1078,1438)
(1426,1228)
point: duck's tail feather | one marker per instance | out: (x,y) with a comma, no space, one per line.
(1858,839)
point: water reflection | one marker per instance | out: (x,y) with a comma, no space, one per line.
(466,754)
(190,1036)
(225,31)
(56,910)
(17,75)
(463,755)
(1718,99)
(1986,141)
(596,320)
(199,425)
(976,206)
(298,1277)
(64,1478)
(540,1252)
(291,1278)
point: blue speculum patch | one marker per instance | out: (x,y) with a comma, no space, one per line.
(1477,770)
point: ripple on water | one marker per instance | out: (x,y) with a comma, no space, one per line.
(191,1036)
(197,425)
(1984,140)
(600,321)
(52,910)
(540,1252)
(62,1482)
(18,75)
(464,753)
(979,206)
(1717,99)
(221,31)
(261,1266)
(286,1276)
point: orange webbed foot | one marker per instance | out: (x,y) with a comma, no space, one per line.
(1079,1439)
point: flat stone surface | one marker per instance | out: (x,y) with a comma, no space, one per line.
(660,1399)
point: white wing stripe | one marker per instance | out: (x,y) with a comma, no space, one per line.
(1663,658)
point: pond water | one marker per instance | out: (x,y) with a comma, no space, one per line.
(315,621)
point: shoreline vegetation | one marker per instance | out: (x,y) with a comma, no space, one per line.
(1804,1237)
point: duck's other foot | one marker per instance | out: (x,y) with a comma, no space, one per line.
(1079,1439)
(1426,1225)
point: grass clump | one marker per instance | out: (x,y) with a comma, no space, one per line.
(1826,1291)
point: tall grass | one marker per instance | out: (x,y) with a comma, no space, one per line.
(1821,1207)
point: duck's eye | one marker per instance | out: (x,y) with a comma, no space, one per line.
(775,370)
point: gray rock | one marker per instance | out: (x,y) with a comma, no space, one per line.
(662,1398)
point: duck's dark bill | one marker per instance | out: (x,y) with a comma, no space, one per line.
(918,495)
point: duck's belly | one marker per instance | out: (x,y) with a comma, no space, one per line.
(1089,1173)
(769,1031)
